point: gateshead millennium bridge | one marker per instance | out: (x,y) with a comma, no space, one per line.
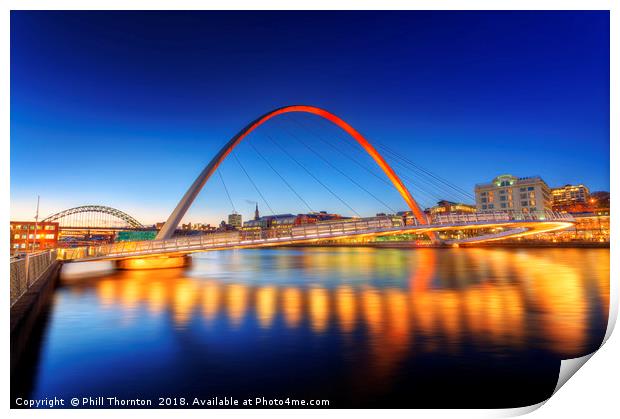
(167,251)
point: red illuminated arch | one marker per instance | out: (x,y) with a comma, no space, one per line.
(183,205)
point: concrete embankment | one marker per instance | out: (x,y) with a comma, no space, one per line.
(27,309)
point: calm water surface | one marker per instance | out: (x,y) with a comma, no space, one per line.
(361,327)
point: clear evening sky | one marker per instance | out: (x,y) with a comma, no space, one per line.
(126,108)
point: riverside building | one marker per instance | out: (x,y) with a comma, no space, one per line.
(511,193)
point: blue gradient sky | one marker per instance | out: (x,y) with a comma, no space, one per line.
(125,108)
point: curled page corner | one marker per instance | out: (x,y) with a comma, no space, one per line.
(569,367)
(519,411)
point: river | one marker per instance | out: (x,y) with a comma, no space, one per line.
(360,327)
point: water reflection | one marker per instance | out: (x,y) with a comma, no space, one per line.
(488,297)
(360,324)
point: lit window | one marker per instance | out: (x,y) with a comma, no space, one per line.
(16,236)
(49,236)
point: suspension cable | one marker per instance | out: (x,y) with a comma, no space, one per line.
(313,176)
(427,172)
(219,172)
(252,182)
(330,144)
(281,177)
(340,171)
(414,165)
(410,183)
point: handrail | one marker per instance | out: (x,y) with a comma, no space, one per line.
(304,232)
(27,269)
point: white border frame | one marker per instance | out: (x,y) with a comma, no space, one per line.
(593,393)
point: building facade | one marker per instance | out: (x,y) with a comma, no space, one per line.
(511,193)
(287,220)
(570,197)
(28,236)
(448,207)
(234,220)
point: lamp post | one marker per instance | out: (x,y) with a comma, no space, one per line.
(36,221)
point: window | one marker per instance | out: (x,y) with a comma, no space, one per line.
(532,202)
(16,246)
(483,200)
(484,206)
(530,188)
(502,192)
(524,203)
(522,189)
(49,236)
(31,236)
(483,193)
(23,236)
(23,245)
(502,198)
(490,206)
(50,227)
(16,236)
(503,205)
(523,196)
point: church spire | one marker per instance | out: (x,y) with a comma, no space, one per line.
(256,213)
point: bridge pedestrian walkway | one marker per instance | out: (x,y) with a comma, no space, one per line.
(516,223)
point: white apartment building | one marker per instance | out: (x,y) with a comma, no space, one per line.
(510,193)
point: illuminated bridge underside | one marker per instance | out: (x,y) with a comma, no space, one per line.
(306,234)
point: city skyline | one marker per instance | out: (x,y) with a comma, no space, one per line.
(128,117)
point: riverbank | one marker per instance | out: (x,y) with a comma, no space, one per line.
(27,309)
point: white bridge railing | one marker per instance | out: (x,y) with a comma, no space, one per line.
(500,216)
(26,270)
(294,233)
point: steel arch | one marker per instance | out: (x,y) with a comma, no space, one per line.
(96,208)
(175,217)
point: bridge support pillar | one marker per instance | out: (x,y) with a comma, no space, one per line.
(155,262)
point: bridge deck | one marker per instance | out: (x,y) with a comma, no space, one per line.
(511,224)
